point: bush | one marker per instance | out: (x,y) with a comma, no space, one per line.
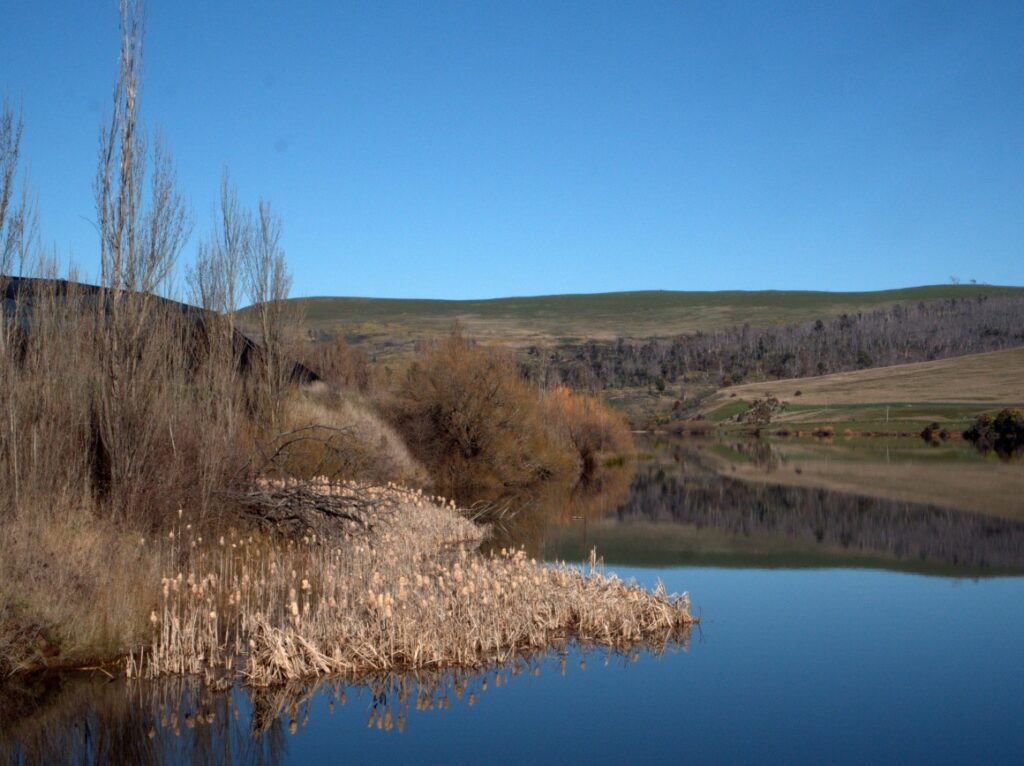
(479,428)
(586,426)
(1004,431)
(340,364)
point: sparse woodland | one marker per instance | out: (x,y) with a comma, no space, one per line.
(896,335)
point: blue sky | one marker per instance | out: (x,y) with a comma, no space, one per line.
(478,149)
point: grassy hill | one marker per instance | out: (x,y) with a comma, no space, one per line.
(949,391)
(385,323)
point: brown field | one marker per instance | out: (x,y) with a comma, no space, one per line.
(993,378)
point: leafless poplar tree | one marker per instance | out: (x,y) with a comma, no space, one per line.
(141,235)
(215,281)
(139,239)
(18,218)
(268,283)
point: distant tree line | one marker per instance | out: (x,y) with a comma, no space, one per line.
(894,335)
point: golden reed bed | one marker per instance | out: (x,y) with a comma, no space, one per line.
(405,589)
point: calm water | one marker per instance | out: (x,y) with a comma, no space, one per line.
(836,628)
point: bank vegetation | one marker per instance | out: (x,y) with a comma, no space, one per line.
(124,411)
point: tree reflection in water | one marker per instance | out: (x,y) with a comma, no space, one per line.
(96,720)
(695,506)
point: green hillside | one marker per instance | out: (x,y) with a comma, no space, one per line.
(394,323)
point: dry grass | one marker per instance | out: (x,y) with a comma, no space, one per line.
(996,377)
(349,439)
(74,590)
(408,591)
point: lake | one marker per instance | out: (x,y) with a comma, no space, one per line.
(860,602)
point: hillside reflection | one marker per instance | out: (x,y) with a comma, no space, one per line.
(683,507)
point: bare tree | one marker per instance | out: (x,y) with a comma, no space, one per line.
(18,219)
(269,283)
(141,236)
(10,149)
(139,242)
(215,281)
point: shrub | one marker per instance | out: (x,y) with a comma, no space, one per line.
(479,428)
(1005,430)
(588,427)
(340,364)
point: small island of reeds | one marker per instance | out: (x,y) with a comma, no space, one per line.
(402,585)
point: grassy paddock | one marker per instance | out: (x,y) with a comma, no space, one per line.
(899,399)
(987,379)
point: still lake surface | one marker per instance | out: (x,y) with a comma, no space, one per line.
(847,617)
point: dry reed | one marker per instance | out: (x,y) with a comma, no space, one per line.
(405,589)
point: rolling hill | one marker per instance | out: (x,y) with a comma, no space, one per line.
(386,324)
(901,398)
(993,378)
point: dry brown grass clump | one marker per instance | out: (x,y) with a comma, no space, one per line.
(327,432)
(403,589)
(71,591)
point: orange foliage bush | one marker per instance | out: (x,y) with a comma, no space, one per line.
(589,427)
(480,429)
(483,431)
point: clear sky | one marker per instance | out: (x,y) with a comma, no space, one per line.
(479,149)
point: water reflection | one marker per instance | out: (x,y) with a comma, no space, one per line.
(714,505)
(1006,454)
(686,508)
(96,720)
(559,506)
